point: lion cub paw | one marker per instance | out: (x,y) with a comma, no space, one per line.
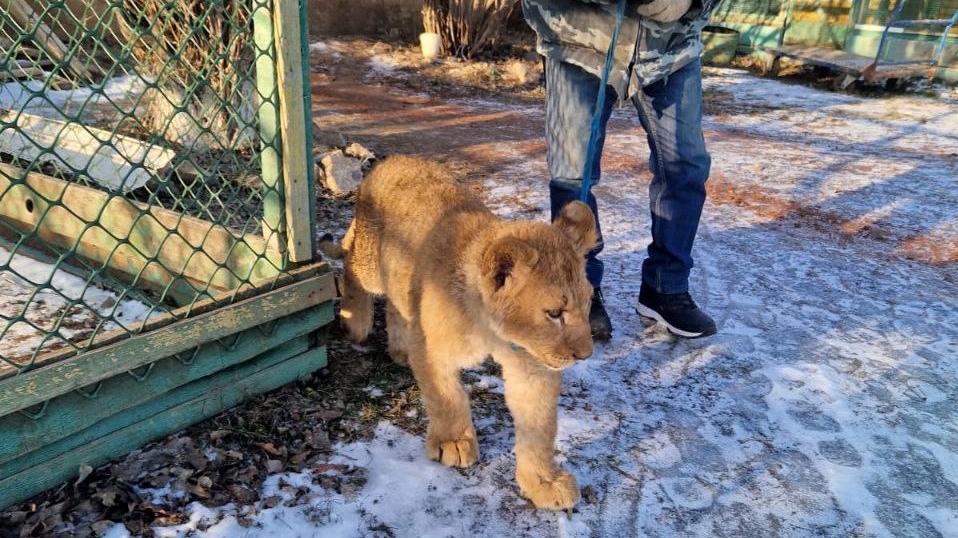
(453,453)
(558,493)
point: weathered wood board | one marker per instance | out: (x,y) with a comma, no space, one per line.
(74,412)
(45,382)
(151,244)
(168,413)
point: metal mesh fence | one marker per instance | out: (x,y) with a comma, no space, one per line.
(140,166)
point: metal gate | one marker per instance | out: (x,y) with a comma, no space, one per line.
(156,223)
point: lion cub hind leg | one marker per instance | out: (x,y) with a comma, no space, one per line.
(450,436)
(532,395)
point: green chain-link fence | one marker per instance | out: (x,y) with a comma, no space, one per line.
(156,260)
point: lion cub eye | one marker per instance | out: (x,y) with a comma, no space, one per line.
(555,314)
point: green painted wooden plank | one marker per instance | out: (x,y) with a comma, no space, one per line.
(144,411)
(37,386)
(190,311)
(73,412)
(227,390)
(131,237)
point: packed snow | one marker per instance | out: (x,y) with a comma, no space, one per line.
(117,95)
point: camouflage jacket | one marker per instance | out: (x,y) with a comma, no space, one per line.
(579,32)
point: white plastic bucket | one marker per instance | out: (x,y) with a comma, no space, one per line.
(431,45)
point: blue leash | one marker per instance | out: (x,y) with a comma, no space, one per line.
(594,132)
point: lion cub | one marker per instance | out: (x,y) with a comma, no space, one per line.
(460,285)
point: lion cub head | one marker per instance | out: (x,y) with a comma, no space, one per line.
(535,289)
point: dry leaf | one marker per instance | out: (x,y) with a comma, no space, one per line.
(241,494)
(326,467)
(85,471)
(216,435)
(107,496)
(298,459)
(199,491)
(269,448)
(102,526)
(198,460)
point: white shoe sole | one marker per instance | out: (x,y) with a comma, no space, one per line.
(647,312)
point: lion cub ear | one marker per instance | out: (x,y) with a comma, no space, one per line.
(578,223)
(507,258)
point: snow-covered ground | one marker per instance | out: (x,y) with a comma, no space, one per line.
(826,404)
(39,298)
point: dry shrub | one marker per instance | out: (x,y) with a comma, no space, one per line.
(467,27)
(199,58)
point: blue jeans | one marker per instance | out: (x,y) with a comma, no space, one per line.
(671,114)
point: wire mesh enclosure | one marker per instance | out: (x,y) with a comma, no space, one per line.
(156,222)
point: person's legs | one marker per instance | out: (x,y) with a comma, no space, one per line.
(671,113)
(570,101)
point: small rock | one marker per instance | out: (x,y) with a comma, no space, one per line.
(341,174)
(274,466)
(358,151)
(323,154)
(332,139)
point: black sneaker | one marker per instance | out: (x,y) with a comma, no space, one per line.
(677,311)
(599,320)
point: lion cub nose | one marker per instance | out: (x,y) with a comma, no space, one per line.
(582,352)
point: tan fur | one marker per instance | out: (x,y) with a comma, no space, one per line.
(461,285)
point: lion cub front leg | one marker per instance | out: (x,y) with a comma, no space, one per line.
(355,306)
(397,329)
(450,436)
(532,395)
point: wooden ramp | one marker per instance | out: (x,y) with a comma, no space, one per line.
(852,65)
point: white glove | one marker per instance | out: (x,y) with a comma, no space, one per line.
(665,10)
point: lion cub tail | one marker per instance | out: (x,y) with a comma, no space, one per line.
(330,248)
